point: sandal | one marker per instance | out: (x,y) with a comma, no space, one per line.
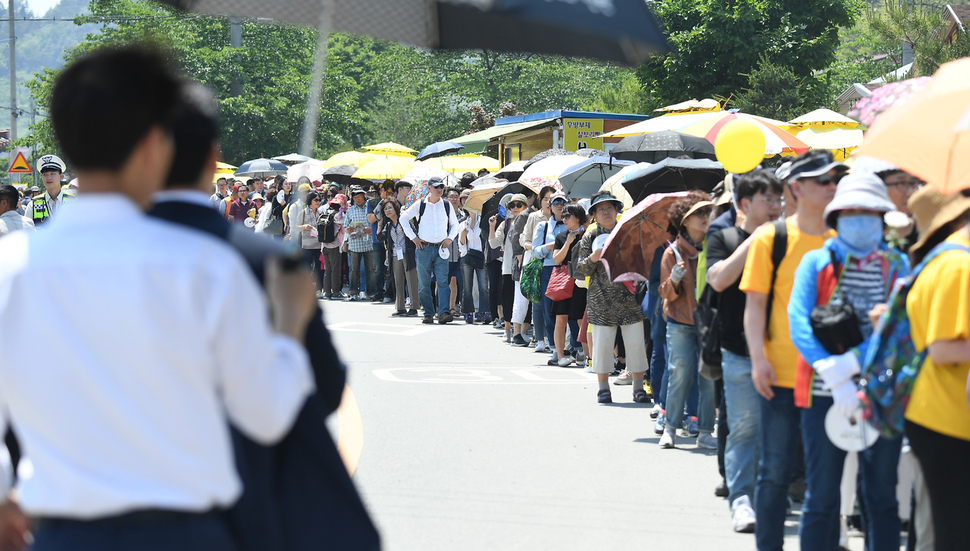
(640,396)
(604,396)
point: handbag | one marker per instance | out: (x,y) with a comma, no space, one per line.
(475,259)
(707,322)
(560,285)
(274,226)
(531,281)
(836,326)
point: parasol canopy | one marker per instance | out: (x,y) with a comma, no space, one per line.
(656,146)
(439,149)
(546,171)
(584,178)
(355,158)
(777,140)
(390,148)
(419,177)
(292,159)
(261,167)
(383,169)
(825,118)
(312,169)
(629,250)
(458,164)
(614,184)
(340,173)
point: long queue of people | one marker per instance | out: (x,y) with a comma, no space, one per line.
(769,249)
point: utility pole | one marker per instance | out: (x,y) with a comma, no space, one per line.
(235,40)
(13,73)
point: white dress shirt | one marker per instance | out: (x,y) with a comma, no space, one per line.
(435,225)
(53,204)
(136,361)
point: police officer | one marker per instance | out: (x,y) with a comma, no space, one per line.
(46,204)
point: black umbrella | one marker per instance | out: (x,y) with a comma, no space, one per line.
(438,149)
(340,173)
(670,175)
(490,207)
(624,31)
(656,146)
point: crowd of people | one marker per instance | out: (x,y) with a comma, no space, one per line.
(800,260)
(770,246)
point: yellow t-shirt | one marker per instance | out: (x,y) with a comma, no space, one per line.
(939,309)
(779,350)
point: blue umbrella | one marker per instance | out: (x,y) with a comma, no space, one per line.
(438,149)
(260,167)
(586,177)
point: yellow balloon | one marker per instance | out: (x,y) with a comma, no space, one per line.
(740,146)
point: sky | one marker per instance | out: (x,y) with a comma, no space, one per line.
(40,7)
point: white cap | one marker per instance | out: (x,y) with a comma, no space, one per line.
(50,161)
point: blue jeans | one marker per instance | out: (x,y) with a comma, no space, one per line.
(779,439)
(548,321)
(469,275)
(819,528)
(658,359)
(683,346)
(743,418)
(429,262)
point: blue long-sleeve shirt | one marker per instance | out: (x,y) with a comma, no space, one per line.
(805,296)
(545,236)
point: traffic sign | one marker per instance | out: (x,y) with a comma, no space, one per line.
(20,165)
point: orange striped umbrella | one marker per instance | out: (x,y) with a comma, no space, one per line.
(777,140)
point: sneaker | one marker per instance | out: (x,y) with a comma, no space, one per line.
(411,313)
(655,411)
(668,440)
(352,298)
(469,319)
(519,341)
(658,427)
(388,300)
(742,518)
(428,319)
(363,296)
(604,397)
(722,489)
(398,314)
(689,428)
(320,295)
(445,317)
(589,366)
(624,378)
(553,362)
(508,335)
(706,441)
(541,347)
(487,320)
(580,358)
(565,361)
(376,298)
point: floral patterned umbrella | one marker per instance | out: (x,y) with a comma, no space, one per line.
(419,179)
(868,108)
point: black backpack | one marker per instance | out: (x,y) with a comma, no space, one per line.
(326,228)
(707,318)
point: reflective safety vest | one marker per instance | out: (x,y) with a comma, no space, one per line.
(41,214)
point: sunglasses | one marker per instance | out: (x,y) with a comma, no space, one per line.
(558,202)
(442,186)
(516,205)
(825,179)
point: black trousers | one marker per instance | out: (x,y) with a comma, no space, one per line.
(944,463)
(493,272)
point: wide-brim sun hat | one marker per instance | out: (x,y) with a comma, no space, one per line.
(520,197)
(724,192)
(858,190)
(700,205)
(933,211)
(604,198)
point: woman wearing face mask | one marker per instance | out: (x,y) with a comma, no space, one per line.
(858,267)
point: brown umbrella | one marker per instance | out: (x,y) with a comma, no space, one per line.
(629,250)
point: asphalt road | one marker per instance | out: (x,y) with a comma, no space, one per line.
(459,441)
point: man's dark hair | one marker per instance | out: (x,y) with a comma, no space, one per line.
(466,179)
(759,181)
(196,131)
(10,194)
(483,172)
(103,104)
(250,182)
(219,179)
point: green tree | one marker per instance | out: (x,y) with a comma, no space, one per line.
(273,67)
(717,43)
(920,25)
(776,92)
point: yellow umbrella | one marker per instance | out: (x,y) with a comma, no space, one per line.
(223,170)
(839,140)
(463,163)
(355,158)
(823,118)
(390,148)
(383,169)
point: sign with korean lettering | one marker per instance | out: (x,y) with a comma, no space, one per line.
(582,133)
